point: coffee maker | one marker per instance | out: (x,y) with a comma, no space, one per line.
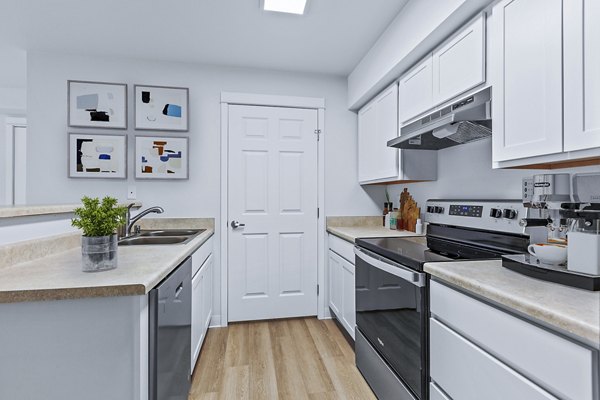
(562,210)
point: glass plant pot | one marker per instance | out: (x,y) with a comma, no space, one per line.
(99,253)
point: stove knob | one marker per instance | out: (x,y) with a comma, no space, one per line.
(496,213)
(438,210)
(430,209)
(509,214)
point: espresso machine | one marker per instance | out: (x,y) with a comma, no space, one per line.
(562,211)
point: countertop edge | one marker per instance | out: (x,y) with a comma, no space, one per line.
(45,209)
(583,334)
(341,235)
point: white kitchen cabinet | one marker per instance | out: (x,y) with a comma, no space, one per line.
(466,372)
(341,282)
(416,90)
(348,302)
(527,77)
(500,352)
(459,63)
(378,123)
(202,294)
(377,163)
(582,74)
(454,67)
(335,282)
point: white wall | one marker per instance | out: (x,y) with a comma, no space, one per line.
(199,197)
(466,172)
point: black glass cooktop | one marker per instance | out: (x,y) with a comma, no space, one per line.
(404,251)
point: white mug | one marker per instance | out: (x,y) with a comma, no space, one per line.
(549,253)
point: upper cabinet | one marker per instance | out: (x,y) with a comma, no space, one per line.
(582,74)
(527,65)
(453,68)
(378,123)
(416,90)
(377,163)
(546,77)
(459,64)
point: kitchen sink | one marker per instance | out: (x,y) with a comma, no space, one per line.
(140,240)
(161,236)
(172,232)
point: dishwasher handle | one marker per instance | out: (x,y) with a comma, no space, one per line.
(178,290)
(399,270)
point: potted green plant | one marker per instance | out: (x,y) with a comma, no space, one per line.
(99,221)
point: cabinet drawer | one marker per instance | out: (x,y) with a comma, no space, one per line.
(561,366)
(342,247)
(201,255)
(466,372)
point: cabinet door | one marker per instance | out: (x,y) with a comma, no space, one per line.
(459,64)
(416,91)
(378,123)
(207,295)
(197,317)
(582,74)
(335,283)
(367,126)
(527,65)
(349,306)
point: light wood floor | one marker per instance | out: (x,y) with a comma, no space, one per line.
(301,358)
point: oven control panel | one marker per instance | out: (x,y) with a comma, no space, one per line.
(466,211)
(496,215)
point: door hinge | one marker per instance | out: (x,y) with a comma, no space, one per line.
(318,133)
(317,290)
(318,212)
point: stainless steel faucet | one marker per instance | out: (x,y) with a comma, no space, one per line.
(131,221)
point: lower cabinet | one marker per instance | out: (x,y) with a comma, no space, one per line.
(341,284)
(499,356)
(202,294)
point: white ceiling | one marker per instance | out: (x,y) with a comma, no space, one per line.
(331,38)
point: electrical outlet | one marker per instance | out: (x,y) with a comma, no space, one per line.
(131,194)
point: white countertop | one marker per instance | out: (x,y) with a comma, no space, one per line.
(575,312)
(59,276)
(352,228)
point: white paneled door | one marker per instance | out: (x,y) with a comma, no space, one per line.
(272,212)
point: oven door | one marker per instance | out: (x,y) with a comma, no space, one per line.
(391,314)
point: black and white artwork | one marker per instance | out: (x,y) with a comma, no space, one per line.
(97,104)
(161,108)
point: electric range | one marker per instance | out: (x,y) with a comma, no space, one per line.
(392,291)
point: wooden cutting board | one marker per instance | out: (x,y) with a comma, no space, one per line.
(409,211)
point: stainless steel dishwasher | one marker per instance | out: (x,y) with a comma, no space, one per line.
(169,339)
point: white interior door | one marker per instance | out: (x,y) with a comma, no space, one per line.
(272,191)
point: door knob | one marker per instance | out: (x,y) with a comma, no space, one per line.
(235,224)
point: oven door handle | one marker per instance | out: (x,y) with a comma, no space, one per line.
(407,274)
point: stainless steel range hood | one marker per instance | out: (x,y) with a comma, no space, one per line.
(464,121)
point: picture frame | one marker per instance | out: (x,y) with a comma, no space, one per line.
(161,108)
(161,157)
(96,104)
(97,156)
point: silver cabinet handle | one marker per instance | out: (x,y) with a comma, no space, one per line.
(235,225)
